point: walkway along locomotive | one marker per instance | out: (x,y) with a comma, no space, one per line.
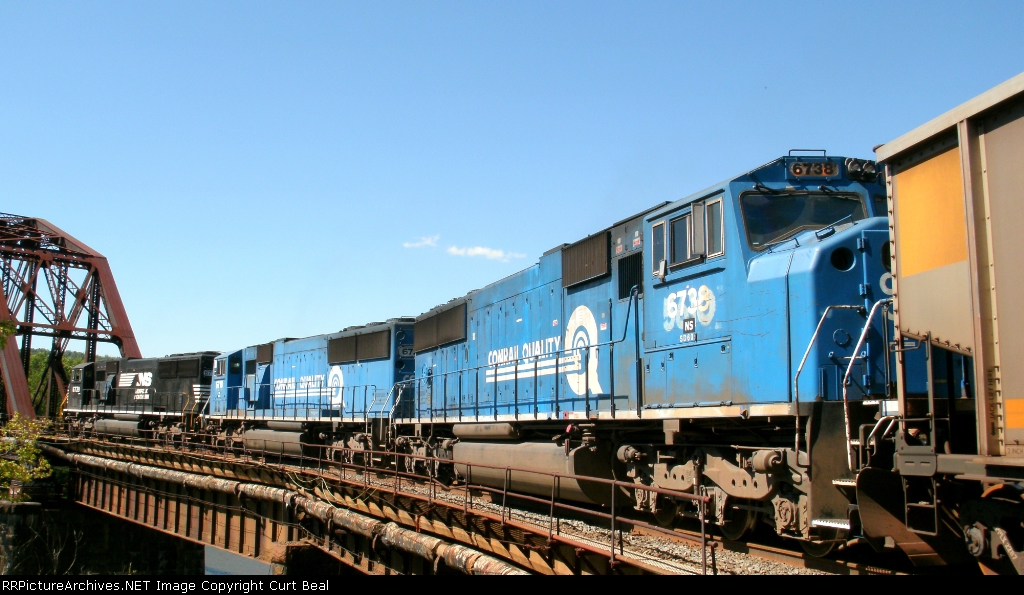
(725,343)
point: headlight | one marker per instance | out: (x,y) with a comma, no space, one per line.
(861,170)
(869,171)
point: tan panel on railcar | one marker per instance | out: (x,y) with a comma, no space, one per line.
(1004,187)
(933,272)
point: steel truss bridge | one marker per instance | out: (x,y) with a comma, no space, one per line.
(55,287)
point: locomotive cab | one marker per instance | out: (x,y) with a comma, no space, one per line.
(81,387)
(226,387)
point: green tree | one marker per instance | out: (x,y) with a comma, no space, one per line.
(7,328)
(19,454)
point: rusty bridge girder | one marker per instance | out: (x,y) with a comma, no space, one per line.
(480,530)
(261,521)
(53,286)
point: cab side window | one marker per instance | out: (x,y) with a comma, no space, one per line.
(715,229)
(680,231)
(691,237)
(658,242)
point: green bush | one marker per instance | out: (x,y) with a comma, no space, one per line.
(19,454)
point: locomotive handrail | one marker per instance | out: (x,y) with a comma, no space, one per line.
(579,357)
(382,406)
(414,382)
(385,402)
(302,399)
(132,406)
(800,368)
(846,379)
(874,437)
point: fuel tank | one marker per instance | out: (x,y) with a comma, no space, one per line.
(274,442)
(534,462)
(116,427)
(492,431)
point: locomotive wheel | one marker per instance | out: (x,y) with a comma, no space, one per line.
(739,523)
(666,514)
(819,549)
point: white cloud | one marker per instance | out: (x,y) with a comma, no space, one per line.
(488,253)
(422,242)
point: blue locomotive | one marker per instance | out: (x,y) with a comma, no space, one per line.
(687,347)
(724,343)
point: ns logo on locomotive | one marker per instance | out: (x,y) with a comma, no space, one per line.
(683,348)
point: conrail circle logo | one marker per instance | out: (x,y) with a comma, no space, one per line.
(336,382)
(580,334)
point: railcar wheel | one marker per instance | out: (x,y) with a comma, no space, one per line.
(739,523)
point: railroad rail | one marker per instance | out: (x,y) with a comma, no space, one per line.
(798,559)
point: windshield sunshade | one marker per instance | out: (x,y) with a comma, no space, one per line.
(770,218)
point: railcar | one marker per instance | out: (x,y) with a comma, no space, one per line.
(955,487)
(132,396)
(724,343)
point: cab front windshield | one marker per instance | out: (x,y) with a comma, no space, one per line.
(772,218)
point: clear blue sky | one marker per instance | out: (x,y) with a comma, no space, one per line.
(255,170)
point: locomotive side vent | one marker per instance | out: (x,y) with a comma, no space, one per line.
(167,368)
(188,368)
(341,351)
(265,353)
(451,325)
(424,334)
(373,345)
(631,274)
(586,260)
(440,329)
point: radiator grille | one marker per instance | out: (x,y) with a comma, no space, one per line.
(188,368)
(585,260)
(424,334)
(440,329)
(630,274)
(167,369)
(373,345)
(341,351)
(451,325)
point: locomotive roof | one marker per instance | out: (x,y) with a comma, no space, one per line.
(390,322)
